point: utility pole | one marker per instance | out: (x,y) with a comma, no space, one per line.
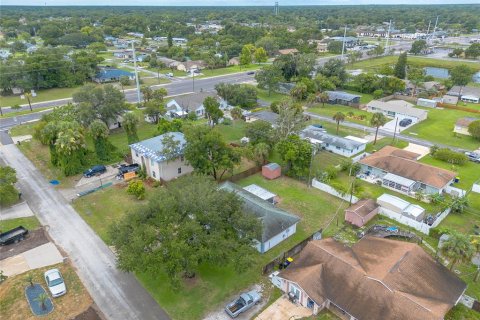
(193,81)
(435,27)
(388,36)
(136,72)
(343,44)
(275,10)
(314,149)
(395,132)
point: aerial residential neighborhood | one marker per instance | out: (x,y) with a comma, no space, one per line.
(251,160)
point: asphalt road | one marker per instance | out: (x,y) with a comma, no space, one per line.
(175,88)
(118,295)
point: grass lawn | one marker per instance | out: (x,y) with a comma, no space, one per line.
(176,73)
(460,312)
(342,130)
(274,96)
(468,173)
(14,305)
(438,128)
(100,209)
(377,63)
(364,97)
(386,141)
(42,95)
(330,110)
(30,223)
(153,81)
(233,132)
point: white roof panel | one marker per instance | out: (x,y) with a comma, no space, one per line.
(398,179)
(259,192)
(394,201)
(414,210)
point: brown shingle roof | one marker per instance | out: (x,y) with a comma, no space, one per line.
(376,279)
(402,163)
(288,51)
(363,207)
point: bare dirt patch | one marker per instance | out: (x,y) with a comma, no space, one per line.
(34,239)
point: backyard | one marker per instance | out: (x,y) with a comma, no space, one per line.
(351,114)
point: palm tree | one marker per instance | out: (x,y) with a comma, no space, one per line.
(130,122)
(42,299)
(457,248)
(261,151)
(29,279)
(338,117)
(323,98)
(29,97)
(377,120)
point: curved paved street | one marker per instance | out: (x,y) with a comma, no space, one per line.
(117,294)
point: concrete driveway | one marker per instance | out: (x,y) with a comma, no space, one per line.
(283,309)
(39,257)
(117,294)
(20,210)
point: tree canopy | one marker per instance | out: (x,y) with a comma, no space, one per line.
(187,223)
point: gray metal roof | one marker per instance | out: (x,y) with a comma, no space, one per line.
(274,220)
(152,148)
(312,132)
(341,95)
(267,116)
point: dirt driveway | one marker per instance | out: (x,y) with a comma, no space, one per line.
(34,239)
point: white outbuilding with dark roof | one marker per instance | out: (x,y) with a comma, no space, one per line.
(150,155)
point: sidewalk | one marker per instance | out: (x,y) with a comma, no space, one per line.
(20,210)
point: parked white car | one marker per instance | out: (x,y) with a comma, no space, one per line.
(55,283)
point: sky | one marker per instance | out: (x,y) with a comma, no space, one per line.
(223,2)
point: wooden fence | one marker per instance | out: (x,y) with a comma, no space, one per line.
(242,175)
(269,267)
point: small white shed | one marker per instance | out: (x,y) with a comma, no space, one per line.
(427,103)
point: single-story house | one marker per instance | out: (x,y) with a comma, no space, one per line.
(397,109)
(190,66)
(450,99)
(235,61)
(149,154)
(466,93)
(426,86)
(169,63)
(461,126)
(350,42)
(400,206)
(287,51)
(361,212)
(321,45)
(123,54)
(373,279)
(180,106)
(268,116)
(277,224)
(347,146)
(399,170)
(112,75)
(343,98)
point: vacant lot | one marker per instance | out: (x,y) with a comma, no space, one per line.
(29,223)
(376,64)
(14,305)
(438,128)
(351,114)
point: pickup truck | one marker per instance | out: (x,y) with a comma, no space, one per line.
(13,236)
(242,303)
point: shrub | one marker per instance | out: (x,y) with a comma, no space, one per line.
(450,156)
(438,231)
(331,172)
(377,93)
(227,122)
(339,187)
(137,189)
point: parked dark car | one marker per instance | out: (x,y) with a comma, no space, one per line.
(251,73)
(405,122)
(13,236)
(127,168)
(94,171)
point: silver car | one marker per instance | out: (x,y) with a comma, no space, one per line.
(55,283)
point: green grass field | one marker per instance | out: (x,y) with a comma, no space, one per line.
(42,95)
(233,132)
(438,128)
(377,63)
(23,112)
(329,110)
(231,69)
(274,96)
(31,223)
